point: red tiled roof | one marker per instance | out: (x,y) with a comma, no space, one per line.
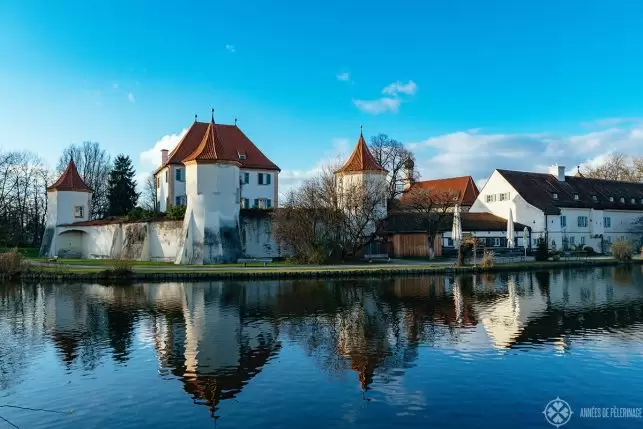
(464,186)
(70,180)
(361,160)
(232,142)
(211,148)
(538,189)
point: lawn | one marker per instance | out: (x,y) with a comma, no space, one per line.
(27,252)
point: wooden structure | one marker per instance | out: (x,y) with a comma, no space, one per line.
(414,245)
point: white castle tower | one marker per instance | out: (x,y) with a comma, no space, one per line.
(67,203)
(362,173)
(211,223)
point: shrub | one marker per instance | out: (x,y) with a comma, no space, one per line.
(589,250)
(122,267)
(542,253)
(175,212)
(487,259)
(12,263)
(622,250)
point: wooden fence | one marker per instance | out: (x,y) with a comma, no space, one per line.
(414,245)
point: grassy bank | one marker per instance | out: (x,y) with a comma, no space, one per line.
(182,273)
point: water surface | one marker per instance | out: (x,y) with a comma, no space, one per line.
(431,352)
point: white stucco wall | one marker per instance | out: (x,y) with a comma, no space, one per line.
(346,183)
(257,238)
(162,191)
(61,204)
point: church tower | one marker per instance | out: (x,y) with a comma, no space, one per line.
(211,223)
(67,202)
(362,171)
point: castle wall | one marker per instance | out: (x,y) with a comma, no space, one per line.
(257,238)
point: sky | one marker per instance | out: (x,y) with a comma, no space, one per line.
(469,86)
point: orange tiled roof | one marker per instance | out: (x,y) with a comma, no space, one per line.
(464,186)
(361,160)
(70,180)
(232,143)
(211,148)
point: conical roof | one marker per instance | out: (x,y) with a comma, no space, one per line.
(361,160)
(210,148)
(70,180)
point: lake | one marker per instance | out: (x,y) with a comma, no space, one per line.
(488,350)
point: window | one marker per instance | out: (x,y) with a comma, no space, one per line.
(576,197)
(158,182)
(607,222)
(594,198)
(571,240)
(181,200)
(262,203)
(245,178)
(263,178)
(245,203)
(496,242)
(491,198)
(260,178)
(504,196)
(582,239)
(79,211)
(611,199)
(563,221)
(179,175)
(555,195)
(167,173)
(242,156)
(633,201)
(268,178)
(641,200)
(449,242)
(622,199)
(582,221)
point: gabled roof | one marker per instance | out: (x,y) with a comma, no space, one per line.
(409,222)
(465,186)
(211,148)
(361,160)
(232,140)
(70,180)
(540,190)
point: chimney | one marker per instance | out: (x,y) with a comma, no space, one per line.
(409,165)
(558,171)
(163,156)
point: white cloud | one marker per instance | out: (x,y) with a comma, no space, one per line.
(230,48)
(345,76)
(380,105)
(335,157)
(131,98)
(409,88)
(477,154)
(151,158)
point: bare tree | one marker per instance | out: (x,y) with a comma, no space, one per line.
(148,196)
(618,166)
(322,219)
(392,155)
(432,206)
(94,165)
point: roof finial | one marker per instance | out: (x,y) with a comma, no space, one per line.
(213,115)
(195,117)
(235,122)
(361,129)
(578,168)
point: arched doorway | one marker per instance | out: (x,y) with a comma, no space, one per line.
(70,243)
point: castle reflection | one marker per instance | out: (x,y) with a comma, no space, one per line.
(216,337)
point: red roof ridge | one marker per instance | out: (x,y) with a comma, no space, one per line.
(70,180)
(361,159)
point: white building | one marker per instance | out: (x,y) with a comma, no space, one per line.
(568,210)
(258,176)
(215,170)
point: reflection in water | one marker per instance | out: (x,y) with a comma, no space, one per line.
(217,337)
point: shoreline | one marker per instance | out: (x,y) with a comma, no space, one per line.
(70,274)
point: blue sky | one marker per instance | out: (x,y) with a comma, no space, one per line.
(469,85)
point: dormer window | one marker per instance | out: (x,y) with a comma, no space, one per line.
(641,200)
(576,197)
(594,198)
(611,199)
(622,200)
(633,201)
(554,195)
(242,156)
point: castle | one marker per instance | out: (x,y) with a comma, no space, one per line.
(228,186)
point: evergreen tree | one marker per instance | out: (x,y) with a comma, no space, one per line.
(121,193)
